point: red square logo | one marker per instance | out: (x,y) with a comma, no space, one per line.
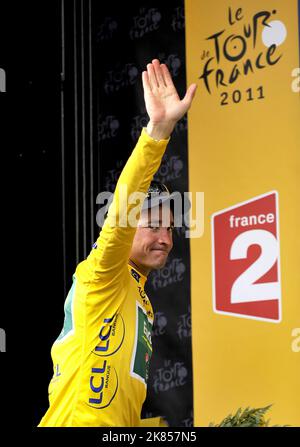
(246,259)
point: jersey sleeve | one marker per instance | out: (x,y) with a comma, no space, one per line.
(107,262)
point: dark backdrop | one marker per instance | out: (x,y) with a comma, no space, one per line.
(73,111)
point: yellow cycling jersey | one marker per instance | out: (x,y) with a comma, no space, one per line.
(101,358)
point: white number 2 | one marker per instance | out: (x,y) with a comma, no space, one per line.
(243,289)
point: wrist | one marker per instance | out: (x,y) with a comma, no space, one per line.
(160,131)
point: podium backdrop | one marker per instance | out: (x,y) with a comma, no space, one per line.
(244,154)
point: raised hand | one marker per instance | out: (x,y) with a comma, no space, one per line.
(163,104)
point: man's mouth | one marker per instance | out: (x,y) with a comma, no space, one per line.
(159,249)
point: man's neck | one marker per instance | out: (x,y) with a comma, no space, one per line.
(142,270)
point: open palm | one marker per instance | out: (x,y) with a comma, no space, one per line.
(161,98)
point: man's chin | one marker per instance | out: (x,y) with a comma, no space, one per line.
(157,262)
(159,265)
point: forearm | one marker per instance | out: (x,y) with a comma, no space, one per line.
(140,168)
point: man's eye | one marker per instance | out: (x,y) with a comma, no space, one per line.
(153,228)
(169,229)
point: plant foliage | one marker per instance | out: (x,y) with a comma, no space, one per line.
(249,417)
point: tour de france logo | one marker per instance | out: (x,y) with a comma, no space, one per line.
(241,48)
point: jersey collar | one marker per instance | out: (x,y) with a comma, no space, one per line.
(138,276)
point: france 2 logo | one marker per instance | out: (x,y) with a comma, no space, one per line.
(246,259)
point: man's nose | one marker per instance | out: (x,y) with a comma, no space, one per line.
(165,236)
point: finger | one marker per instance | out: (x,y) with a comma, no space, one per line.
(152,76)
(158,73)
(167,77)
(146,83)
(189,96)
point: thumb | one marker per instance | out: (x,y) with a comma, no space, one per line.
(189,96)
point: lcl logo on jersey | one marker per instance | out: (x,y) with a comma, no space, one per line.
(111,336)
(246,259)
(103,385)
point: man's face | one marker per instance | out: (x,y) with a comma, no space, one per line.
(153,241)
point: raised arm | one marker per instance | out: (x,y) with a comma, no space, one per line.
(106,262)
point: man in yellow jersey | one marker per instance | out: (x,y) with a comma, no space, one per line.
(101,358)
